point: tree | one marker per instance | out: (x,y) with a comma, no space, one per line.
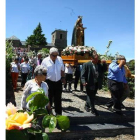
(10,97)
(37,38)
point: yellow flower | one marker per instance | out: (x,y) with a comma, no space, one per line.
(19,121)
(10,109)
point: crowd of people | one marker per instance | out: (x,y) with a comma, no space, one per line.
(53,76)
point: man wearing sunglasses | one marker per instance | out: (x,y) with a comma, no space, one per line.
(55,76)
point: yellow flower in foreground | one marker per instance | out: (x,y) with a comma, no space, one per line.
(10,109)
(19,121)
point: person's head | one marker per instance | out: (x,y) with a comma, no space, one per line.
(40,73)
(53,53)
(67,65)
(16,60)
(26,60)
(94,57)
(18,54)
(121,57)
(39,54)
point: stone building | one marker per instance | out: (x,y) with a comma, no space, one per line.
(59,40)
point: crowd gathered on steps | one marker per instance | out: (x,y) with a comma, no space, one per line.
(53,76)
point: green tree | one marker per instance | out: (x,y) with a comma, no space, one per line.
(37,38)
(131,65)
(10,97)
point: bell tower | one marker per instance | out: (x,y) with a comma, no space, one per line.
(59,39)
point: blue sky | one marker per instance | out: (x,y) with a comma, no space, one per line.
(105,20)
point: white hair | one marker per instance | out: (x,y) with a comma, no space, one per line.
(119,57)
(39,70)
(53,49)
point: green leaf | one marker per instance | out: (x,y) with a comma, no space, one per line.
(46,121)
(45,136)
(39,91)
(63,122)
(39,101)
(41,112)
(16,135)
(52,123)
(33,131)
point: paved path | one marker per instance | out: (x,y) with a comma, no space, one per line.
(73,106)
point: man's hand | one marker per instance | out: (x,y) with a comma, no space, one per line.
(84,84)
(63,80)
(122,63)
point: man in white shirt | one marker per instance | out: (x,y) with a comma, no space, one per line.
(55,76)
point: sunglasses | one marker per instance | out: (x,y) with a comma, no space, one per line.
(44,74)
(53,55)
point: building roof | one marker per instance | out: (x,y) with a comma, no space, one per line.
(58,30)
(13,38)
(23,42)
(50,44)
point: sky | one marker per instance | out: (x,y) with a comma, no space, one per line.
(105,20)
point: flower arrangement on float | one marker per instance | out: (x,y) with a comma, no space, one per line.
(31,124)
(79,50)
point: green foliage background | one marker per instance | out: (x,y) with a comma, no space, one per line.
(37,38)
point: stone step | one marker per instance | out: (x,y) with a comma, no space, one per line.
(105,117)
(86,131)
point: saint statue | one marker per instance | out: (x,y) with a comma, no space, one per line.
(78,33)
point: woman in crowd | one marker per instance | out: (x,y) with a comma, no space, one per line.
(24,71)
(15,67)
(33,85)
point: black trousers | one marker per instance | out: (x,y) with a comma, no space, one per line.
(68,78)
(24,78)
(77,77)
(91,96)
(116,90)
(55,93)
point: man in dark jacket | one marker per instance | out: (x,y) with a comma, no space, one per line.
(89,78)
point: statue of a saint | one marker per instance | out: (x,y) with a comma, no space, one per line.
(78,33)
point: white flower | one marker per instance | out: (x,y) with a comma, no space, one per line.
(79,50)
(85,50)
(70,48)
(63,49)
(75,48)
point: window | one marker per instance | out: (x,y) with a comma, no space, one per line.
(60,36)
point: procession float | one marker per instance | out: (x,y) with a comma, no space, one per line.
(78,53)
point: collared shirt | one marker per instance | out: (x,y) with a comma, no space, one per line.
(15,67)
(69,70)
(24,67)
(53,69)
(116,73)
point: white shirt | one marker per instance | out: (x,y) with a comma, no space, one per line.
(53,69)
(69,70)
(24,67)
(35,61)
(31,87)
(15,67)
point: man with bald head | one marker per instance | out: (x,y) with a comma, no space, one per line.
(116,83)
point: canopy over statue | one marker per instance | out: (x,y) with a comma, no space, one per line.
(78,33)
